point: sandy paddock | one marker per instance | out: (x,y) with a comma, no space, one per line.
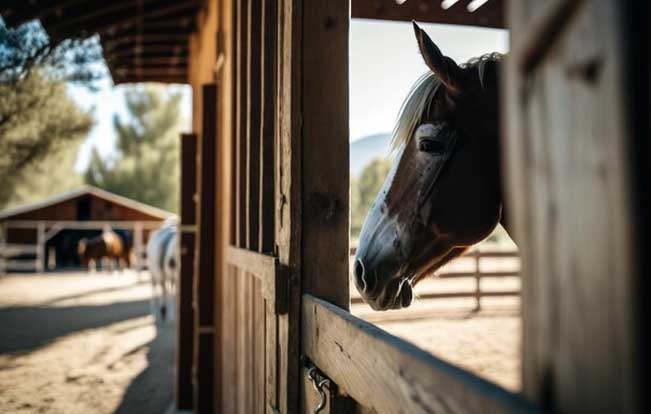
(76,343)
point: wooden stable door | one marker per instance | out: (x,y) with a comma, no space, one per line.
(575,159)
(253,342)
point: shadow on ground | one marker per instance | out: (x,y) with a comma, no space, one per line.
(35,326)
(152,390)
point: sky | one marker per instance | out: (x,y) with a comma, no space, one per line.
(384,63)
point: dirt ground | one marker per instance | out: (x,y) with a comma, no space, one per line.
(486,343)
(78,343)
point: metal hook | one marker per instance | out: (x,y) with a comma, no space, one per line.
(313,374)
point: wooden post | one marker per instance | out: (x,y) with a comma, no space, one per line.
(3,250)
(569,150)
(40,247)
(325,185)
(204,274)
(138,245)
(477,255)
(187,230)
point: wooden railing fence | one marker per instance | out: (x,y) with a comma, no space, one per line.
(478,255)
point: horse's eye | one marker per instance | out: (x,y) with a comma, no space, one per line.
(430,145)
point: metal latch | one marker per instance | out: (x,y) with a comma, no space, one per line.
(319,383)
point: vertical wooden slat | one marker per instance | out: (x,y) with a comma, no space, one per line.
(204,280)
(243,167)
(267,125)
(259,352)
(231,353)
(253,125)
(237,124)
(324,151)
(324,172)
(242,356)
(288,197)
(185,331)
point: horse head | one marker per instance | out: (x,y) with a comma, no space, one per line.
(443,192)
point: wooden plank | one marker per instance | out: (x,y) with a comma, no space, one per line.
(242,340)
(391,376)
(242,125)
(185,330)
(326,181)
(259,354)
(449,295)
(188,207)
(288,197)
(488,15)
(229,354)
(253,137)
(266,268)
(267,126)
(204,277)
(568,151)
(21,265)
(82,225)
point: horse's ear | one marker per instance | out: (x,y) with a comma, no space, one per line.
(444,67)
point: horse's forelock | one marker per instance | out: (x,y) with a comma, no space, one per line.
(422,94)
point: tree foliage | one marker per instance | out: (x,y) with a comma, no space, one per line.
(145,165)
(53,175)
(363,190)
(37,118)
(28,47)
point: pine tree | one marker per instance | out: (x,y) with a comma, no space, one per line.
(145,164)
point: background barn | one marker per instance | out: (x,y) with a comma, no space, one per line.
(44,235)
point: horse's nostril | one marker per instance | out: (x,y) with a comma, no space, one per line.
(359,275)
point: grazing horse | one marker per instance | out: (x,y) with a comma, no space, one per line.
(443,193)
(162,253)
(107,245)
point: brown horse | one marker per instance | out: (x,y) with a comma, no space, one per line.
(107,245)
(443,193)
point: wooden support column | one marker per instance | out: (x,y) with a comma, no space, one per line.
(138,245)
(40,246)
(204,277)
(570,146)
(325,181)
(185,321)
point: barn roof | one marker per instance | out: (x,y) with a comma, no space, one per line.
(142,41)
(147,40)
(86,190)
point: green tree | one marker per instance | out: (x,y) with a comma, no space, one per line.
(363,190)
(53,175)
(145,166)
(41,119)
(37,118)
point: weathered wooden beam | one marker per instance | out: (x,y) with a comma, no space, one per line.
(185,331)
(155,79)
(204,273)
(110,18)
(160,64)
(149,72)
(389,375)
(491,14)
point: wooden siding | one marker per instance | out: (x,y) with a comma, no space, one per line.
(569,149)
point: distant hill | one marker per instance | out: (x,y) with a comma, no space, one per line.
(366,149)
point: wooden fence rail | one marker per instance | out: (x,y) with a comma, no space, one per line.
(477,274)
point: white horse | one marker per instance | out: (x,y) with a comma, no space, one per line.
(162,260)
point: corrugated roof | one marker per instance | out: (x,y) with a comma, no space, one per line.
(89,189)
